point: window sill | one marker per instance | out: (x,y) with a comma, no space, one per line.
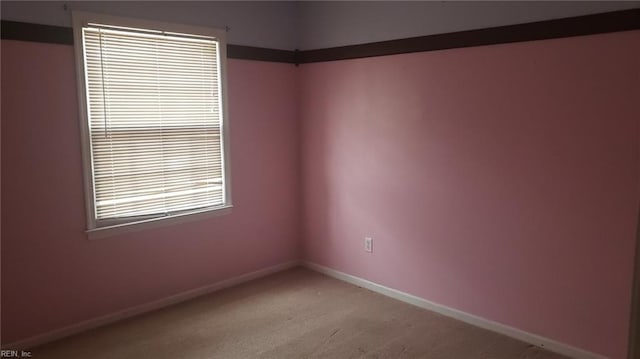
(110,231)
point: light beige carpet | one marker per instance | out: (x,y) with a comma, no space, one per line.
(293,314)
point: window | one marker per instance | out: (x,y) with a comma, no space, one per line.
(153,121)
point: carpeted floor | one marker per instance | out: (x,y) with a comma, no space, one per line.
(293,314)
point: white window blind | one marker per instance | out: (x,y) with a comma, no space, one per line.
(155,122)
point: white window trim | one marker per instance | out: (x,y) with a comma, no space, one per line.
(80,19)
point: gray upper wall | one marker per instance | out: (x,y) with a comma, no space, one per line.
(269,24)
(318,24)
(338,23)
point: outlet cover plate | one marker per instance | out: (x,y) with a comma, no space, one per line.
(368,244)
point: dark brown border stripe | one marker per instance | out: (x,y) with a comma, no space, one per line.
(13,30)
(549,29)
(260,54)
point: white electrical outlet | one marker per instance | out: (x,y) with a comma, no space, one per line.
(368,244)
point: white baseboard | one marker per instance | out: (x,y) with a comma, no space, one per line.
(144,308)
(512,332)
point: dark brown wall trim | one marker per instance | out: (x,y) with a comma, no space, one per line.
(260,54)
(12,30)
(550,29)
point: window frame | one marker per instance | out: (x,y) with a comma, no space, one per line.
(118,226)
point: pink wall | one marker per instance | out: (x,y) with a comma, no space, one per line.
(52,276)
(502,180)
